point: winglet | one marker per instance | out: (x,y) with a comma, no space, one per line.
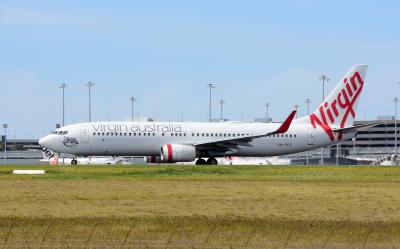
(285,125)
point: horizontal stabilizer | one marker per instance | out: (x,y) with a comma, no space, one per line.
(357,127)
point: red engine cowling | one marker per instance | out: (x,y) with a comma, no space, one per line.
(178,153)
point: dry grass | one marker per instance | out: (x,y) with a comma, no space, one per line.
(201,207)
(252,199)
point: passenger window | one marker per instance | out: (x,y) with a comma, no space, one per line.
(294,135)
(154,134)
(192,134)
(130,134)
(180,134)
(102,133)
(212,134)
(184,134)
(162,134)
(172,134)
(134,134)
(198,134)
(233,134)
(98,134)
(207,134)
(148,134)
(286,135)
(202,134)
(94,133)
(290,135)
(139,134)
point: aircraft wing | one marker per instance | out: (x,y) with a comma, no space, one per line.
(232,144)
(356,127)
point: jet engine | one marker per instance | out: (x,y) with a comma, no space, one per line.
(178,153)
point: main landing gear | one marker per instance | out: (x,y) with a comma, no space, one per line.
(74,162)
(210,161)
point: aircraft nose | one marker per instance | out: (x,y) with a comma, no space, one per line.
(45,141)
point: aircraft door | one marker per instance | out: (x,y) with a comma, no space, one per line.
(84,134)
(310,137)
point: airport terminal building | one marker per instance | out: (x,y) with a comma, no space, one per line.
(369,145)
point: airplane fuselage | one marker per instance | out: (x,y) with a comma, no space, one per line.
(147,138)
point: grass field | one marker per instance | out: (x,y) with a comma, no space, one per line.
(200,207)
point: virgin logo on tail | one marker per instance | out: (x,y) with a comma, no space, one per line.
(329,113)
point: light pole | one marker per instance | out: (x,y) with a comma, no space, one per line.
(324,79)
(222,102)
(396,100)
(267,105)
(210,86)
(365,114)
(308,101)
(63,86)
(89,85)
(132,100)
(5,126)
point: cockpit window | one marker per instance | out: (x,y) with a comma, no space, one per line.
(59,132)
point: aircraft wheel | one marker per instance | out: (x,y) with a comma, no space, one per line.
(212,161)
(74,162)
(201,162)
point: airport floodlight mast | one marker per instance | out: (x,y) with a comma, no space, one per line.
(308,102)
(267,105)
(210,86)
(63,86)
(132,100)
(222,102)
(89,85)
(323,79)
(396,100)
(5,126)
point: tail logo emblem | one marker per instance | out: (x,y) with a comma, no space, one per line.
(344,101)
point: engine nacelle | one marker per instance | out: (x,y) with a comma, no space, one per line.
(178,153)
(153,159)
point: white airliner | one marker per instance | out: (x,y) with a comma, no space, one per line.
(169,142)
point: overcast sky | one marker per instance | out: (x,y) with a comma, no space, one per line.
(165,53)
